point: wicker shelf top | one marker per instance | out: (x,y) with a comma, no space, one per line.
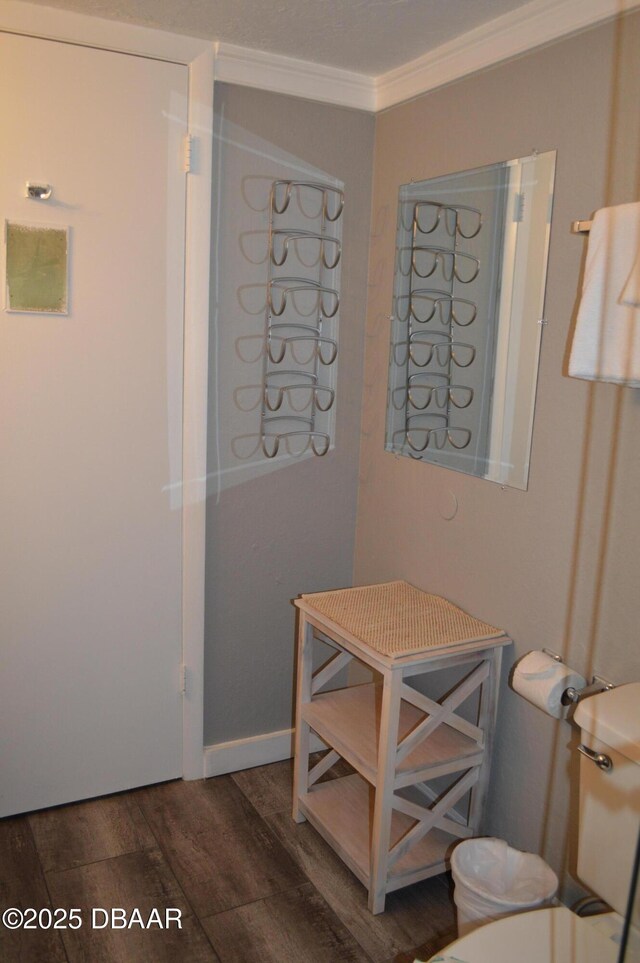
(397,619)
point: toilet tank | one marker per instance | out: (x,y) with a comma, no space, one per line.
(610,799)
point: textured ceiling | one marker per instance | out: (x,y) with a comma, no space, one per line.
(368,36)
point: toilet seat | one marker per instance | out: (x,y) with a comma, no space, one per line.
(542,936)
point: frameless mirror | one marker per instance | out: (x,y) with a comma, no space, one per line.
(468,303)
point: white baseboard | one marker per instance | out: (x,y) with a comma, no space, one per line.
(259,750)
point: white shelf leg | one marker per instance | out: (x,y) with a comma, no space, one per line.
(301,758)
(487,714)
(387,745)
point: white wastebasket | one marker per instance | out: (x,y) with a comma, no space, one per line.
(493,880)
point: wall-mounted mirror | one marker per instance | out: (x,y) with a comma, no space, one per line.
(467,317)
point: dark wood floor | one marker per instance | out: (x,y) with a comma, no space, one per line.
(251,884)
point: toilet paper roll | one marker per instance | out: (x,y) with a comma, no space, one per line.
(541,680)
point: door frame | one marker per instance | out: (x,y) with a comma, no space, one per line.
(199,57)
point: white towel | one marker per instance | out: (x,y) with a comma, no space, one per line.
(606,342)
(631,293)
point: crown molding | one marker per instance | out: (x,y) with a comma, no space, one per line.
(288,75)
(533,25)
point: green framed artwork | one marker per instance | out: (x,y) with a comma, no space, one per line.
(36,268)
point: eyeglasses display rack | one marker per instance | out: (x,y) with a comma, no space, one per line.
(389,821)
(430,345)
(301,325)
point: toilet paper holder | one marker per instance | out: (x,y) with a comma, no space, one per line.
(571,695)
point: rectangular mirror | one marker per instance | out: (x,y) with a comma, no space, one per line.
(468,303)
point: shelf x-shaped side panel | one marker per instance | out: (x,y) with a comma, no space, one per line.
(427,819)
(326,672)
(328,760)
(443,712)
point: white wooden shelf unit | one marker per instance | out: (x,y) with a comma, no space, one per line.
(385,821)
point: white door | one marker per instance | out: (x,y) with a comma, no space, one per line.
(90,428)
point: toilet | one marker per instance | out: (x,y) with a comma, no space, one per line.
(609,819)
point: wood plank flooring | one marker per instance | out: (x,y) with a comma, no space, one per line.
(251,884)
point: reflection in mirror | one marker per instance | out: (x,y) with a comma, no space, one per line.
(471,263)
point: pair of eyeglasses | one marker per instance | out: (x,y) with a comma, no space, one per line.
(303,292)
(454,264)
(419,439)
(285,190)
(458,219)
(286,236)
(325,349)
(423,304)
(299,396)
(317,440)
(420,396)
(422,351)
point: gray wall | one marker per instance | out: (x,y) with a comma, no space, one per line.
(556,565)
(274,528)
